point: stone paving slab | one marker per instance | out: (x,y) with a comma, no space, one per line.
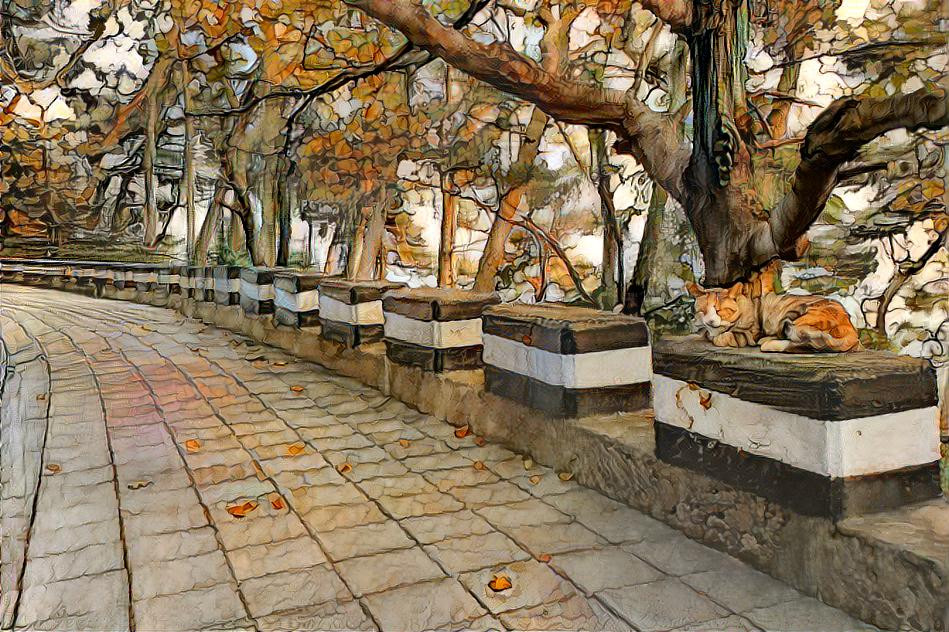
(207,481)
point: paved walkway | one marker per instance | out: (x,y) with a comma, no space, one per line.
(160,474)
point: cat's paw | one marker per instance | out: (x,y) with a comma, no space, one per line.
(726,339)
(774,345)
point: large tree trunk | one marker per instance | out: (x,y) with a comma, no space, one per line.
(212,219)
(149,152)
(236,240)
(187,187)
(446,245)
(493,255)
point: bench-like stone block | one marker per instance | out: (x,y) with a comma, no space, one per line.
(257,291)
(297,298)
(436,329)
(824,434)
(202,283)
(169,278)
(567,361)
(226,284)
(351,311)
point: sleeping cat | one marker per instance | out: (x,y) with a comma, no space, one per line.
(752,314)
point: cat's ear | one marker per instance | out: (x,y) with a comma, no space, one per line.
(694,289)
(735,291)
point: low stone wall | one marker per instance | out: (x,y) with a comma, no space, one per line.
(890,569)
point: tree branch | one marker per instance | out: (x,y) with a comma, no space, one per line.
(649,136)
(833,139)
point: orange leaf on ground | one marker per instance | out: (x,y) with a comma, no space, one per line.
(239,511)
(545,557)
(277,503)
(41,397)
(192,445)
(53,467)
(296,448)
(280,363)
(462,432)
(705,399)
(296,388)
(404,443)
(565,476)
(499,583)
(534,479)
(344,468)
(478,465)
(480,441)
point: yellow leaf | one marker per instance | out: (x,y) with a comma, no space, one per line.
(528,464)
(296,448)
(462,432)
(478,465)
(404,443)
(565,476)
(534,479)
(53,467)
(344,468)
(500,583)
(296,388)
(239,511)
(192,445)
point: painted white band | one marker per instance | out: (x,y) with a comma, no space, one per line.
(185,282)
(257,292)
(226,285)
(306,301)
(595,369)
(438,334)
(169,279)
(46,271)
(368,313)
(144,277)
(102,274)
(198,282)
(119,275)
(852,447)
(86,272)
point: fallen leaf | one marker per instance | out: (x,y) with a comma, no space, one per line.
(545,557)
(344,468)
(705,399)
(693,386)
(404,443)
(480,441)
(528,464)
(478,465)
(280,363)
(526,339)
(41,397)
(534,479)
(277,503)
(256,358)
(239,511)
(53,467)
(139,484)
(192,445)
(194,349)
(500,583)
(296,388)
(462,432)
(295,449)
(565,476)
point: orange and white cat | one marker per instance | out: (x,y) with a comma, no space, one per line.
(752,314)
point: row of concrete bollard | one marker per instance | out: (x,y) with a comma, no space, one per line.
(823,431)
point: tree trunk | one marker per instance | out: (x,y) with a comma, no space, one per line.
(493,255)
(209,228)
(265,243)
(372,242)
(611,278)
(446,245)
(287,201)
(188,172)
(236,239)
(149,155)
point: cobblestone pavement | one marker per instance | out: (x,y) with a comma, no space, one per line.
(160,474)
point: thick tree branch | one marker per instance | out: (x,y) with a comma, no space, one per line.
(833,139)
(676,13)
(649,136)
